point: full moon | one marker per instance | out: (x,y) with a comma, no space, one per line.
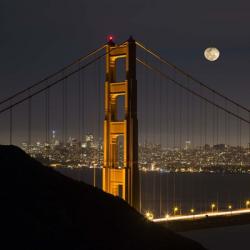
(211,54)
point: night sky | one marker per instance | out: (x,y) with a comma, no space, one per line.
(39,37)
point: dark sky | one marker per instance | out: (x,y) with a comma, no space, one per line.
(39,37)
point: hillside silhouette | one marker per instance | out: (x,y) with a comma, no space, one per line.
(43,209)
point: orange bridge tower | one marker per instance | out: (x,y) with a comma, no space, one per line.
(121,178)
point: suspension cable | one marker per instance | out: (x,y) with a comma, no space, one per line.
(54,74)
(56,82)
(11,126)
(29,123)
(191,91)
(157,56)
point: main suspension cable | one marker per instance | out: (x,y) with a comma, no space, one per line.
(157,56)
(191,91)
(56,82)
(92,53)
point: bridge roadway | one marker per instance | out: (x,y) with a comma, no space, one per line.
(202,215)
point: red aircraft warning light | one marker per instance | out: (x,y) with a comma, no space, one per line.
(110,39)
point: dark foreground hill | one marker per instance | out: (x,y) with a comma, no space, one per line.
(42,209)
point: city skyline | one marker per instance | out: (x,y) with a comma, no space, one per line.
(88,152)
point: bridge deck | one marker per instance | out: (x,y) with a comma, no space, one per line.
(206,220)
(202,215)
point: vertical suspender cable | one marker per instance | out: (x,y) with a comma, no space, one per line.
(147,144)
(167,147)
(226,142)
(217,130)
(248,135)
(96,87)
(189,138)
(192,125)
(180,147)
(187,115)
(238,137)
(240,143)
(63,113)
(99,111)
(142,148)
(213,122)
(154,138)
(174,143)
(46,122)
(160,113)
(79,107)
(48,116)
(66,109)
(200,146)
(83,111)
(29,123)
(11,125)
(225,124)
(206,150)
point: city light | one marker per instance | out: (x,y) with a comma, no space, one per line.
(229,207)
(81,152)
(191,210)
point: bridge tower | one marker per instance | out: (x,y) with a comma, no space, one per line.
(121,180)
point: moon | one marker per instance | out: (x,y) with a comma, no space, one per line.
(211,54)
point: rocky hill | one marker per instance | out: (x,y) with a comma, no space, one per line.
(43,209)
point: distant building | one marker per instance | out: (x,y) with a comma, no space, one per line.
(89,139)
(72,141)
(187,145)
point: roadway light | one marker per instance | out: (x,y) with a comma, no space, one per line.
(149,215)
(247,203)
(175,210)
(192,212)
(230,207)
(212,207)
(167,216)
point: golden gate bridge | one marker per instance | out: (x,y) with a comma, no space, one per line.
(147,116)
